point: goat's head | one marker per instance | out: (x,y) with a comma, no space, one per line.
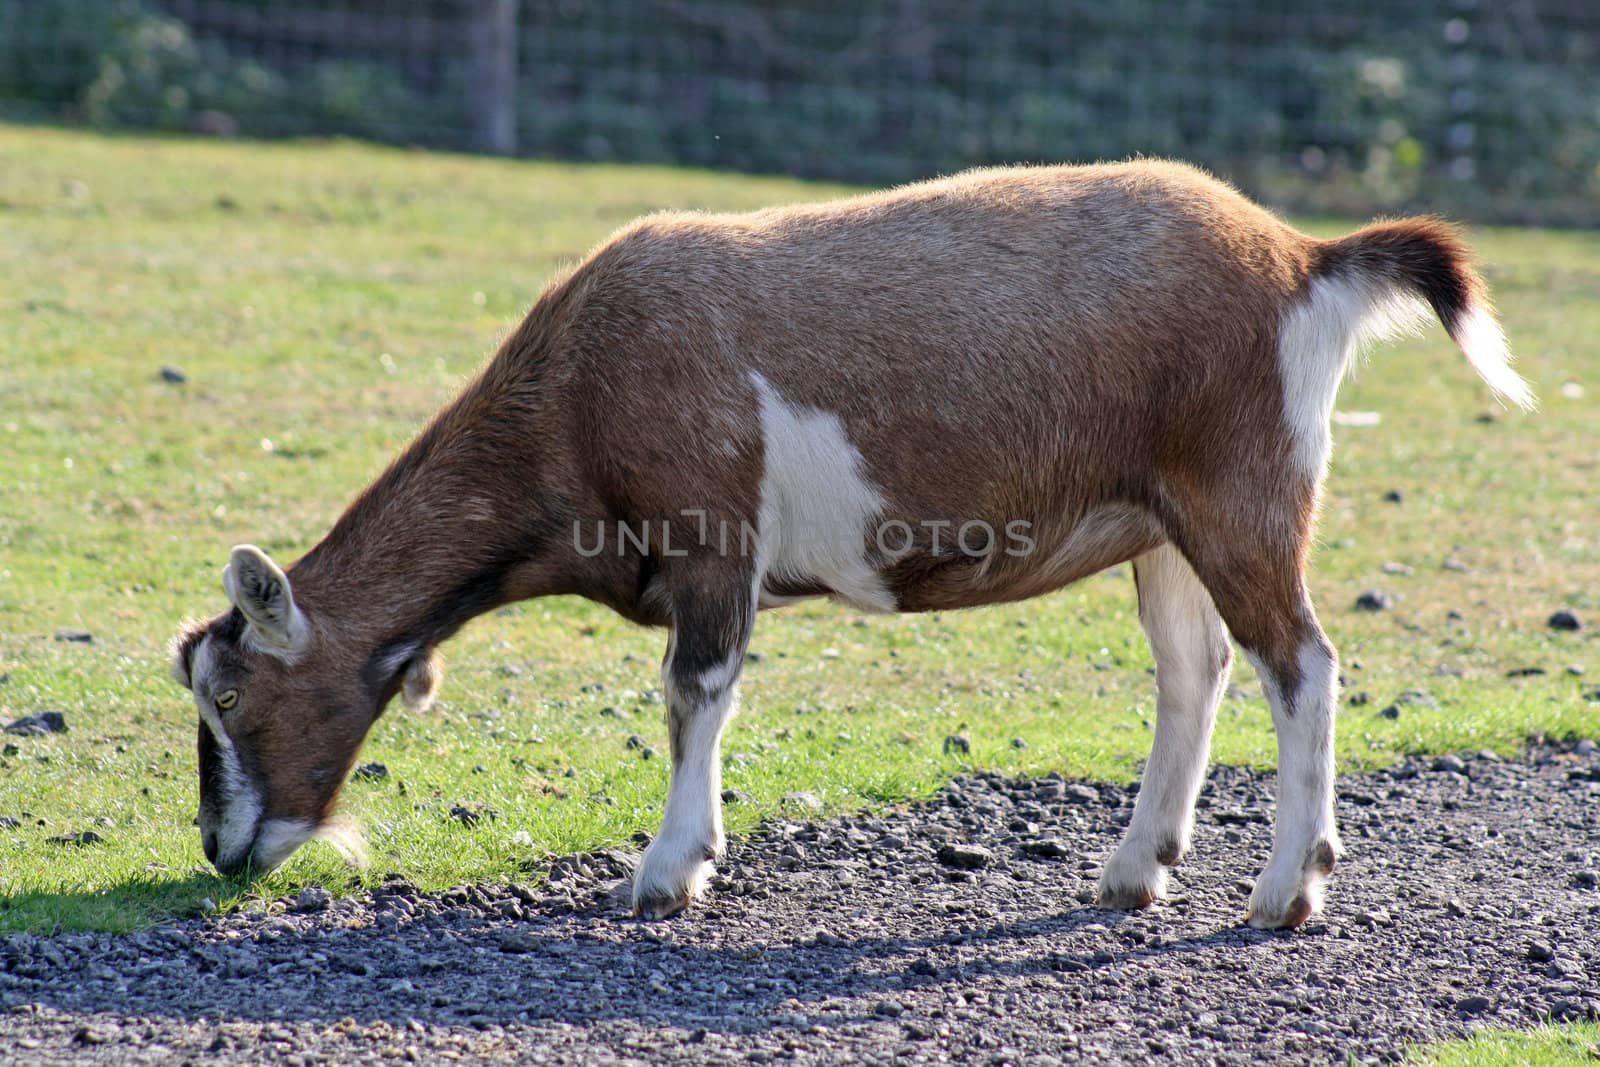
(285,701)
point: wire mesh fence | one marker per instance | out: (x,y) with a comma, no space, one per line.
(1485,108)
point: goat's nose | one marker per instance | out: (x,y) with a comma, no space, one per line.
(208,841)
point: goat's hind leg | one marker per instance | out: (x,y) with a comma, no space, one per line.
(1258,585)
(1192,657)
(711,626)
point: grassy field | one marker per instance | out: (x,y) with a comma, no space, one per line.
(323,300)
(1570,1046)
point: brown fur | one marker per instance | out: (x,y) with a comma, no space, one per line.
(1093,351)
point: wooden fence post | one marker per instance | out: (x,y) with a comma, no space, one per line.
(492,75)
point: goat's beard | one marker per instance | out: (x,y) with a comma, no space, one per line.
(344,833)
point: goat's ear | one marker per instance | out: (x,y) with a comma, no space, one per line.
(183,647)
(423,673)
(260,590)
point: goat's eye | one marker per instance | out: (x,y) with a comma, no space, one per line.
(227,700)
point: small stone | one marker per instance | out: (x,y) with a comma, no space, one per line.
(965,857)
(81,839)
(1359,699)
(9,822)
(1391,712)
(1574,669)
(465,816)
(957,743)
(1565,620)
(79,637)
(1449,764)
(44,722)
(1082,794)
(1454,565)
(371,772)
(735,796)
(1525,672)
(808,801)
(1394,496)
(613,712)
(891,1008)
(311,899)
(1585,747)
(1418,697)
(1585,880)
(1474,1005)
(173,376)
(1018,743)
(1540,951)
(518,942)
(1396,568)
(635,741)
(1374,600)
(1049,848)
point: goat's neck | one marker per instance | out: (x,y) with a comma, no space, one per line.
(457,526)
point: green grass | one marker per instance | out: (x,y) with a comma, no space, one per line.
(1569,1046)
(327,298)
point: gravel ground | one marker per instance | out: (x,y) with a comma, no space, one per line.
(957,930)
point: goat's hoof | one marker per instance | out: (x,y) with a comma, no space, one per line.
(659,906)
(1293,914)
(1286,896)
(1129,886)
(1125,897)
(669,879)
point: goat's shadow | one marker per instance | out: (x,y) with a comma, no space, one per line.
(655,972)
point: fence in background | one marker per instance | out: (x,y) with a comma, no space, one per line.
(1485,108)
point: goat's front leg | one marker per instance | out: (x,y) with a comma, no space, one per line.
(701,674)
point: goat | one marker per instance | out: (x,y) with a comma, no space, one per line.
(715,414)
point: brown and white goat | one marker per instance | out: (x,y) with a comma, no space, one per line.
(955,393)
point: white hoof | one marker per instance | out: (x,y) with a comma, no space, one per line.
(1287,894)
(670,878)
(1128,883)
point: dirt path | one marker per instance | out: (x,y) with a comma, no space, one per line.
(1469,898)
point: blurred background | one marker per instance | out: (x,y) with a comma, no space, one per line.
(1486,109)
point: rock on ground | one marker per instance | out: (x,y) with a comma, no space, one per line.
(1466,900)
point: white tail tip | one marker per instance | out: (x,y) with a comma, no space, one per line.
(1484,343)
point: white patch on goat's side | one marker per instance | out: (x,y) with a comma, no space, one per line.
(816,504)
(1318,340)
(1484,344)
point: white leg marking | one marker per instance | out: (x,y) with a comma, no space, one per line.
(1317,342)
(678,863)
(1305,840)
(1192,657)
(817,506)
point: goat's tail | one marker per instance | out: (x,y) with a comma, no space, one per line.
(1393,263)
